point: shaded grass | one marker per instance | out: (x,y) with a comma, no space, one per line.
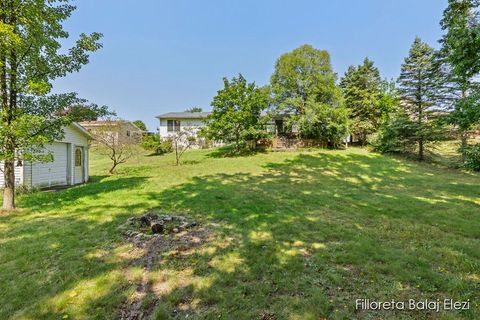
(297,235)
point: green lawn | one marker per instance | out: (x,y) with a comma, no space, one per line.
(284,236)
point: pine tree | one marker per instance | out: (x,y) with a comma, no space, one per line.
(418,84)
(362,90)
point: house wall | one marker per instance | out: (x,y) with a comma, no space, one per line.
(195,124)
(125,132)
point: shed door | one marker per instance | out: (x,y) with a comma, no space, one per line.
(51,173)
(79,165)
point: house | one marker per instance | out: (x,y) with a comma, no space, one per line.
(69,165)
(177,121)
(124,131)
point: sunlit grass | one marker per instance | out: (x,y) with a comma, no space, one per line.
(296,235)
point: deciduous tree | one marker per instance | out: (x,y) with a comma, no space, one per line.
(305,74)
(236,113)
(31,57)
(461,51)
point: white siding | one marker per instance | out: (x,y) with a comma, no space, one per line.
(51,173)
(196,124)
(62,170)
(18,175)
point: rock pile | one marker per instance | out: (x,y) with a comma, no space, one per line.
(151,224)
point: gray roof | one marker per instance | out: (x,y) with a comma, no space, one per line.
(184,115)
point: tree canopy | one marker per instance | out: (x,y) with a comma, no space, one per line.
(418,89)
(363,93)
(302,75)
(194,109)
(31,57)
(140,125)
(236,112)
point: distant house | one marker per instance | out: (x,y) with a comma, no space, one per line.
(69,165)
(176,121)
(124,131)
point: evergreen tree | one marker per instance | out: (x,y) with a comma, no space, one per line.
(362,91)
(418,83)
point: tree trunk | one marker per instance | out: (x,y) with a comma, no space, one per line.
(463,133)
(421,150)
(112,169)
(464,143)
(9,191)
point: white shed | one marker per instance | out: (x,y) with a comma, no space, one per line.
(69,165)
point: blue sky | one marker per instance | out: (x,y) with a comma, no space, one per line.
(162,56)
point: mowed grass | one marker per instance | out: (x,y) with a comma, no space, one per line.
(294,236)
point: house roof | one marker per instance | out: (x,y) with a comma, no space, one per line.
(184,115)
(102,122)
(99,123)
(82,130)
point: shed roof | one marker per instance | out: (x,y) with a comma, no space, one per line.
(184,115)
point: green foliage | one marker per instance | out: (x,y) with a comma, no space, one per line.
(156,145)
(461,51)
(395,136)
(236,113)
(362,90)
(472,156)
(400,134)
(194,109)
(418,84)
(283,221)
(140,125)
(322,121)
(461,43)
(305,74)
(31,58)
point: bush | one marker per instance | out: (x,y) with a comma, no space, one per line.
(157,146)
(472,157)
(324,122)
(25,189)
(395,136)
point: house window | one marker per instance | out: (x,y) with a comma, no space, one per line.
(78,158)
(173,125)
(128,133)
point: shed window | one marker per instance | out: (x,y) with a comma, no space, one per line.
(78,158)
(173,125)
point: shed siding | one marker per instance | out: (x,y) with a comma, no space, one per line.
(51,173)
(55,173)
(18,175)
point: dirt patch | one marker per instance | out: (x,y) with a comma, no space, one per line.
(178,235)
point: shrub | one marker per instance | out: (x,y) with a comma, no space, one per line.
(395,136)
(472,157)
(157,146)
(25,189)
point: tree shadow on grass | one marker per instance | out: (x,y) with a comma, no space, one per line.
(229,151)
(303,239)
(97,186)
(51,252)
(309,236)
